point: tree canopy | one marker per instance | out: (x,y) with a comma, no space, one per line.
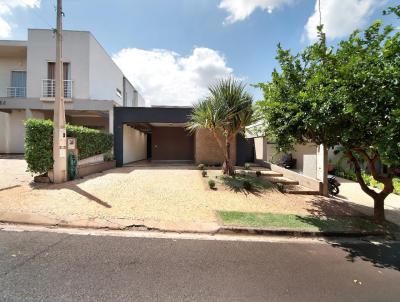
(346,95)
(226,111)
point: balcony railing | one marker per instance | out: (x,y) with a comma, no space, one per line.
(49,88)
(16,92)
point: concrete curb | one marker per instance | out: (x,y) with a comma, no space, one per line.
(35,219)
(213,229)
(297,232)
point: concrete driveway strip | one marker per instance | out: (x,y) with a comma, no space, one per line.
(41,266)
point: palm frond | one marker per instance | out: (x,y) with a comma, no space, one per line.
(228,108)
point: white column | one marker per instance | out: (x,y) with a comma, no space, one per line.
(28,114)
(322,168)
(5,132)
(111,120)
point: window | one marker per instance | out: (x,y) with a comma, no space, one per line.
(49,83)
(118,92)
(18,84)
(51,71)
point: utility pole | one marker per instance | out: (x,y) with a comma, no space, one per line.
(59,132)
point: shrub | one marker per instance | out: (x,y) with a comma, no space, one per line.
(90,142)
(247,166)
(39,143)
(201,166)
(108,156)
(369,180)
(211,184)
(247,185)
(396,184)
(280,187)
(204,173)
(258,173)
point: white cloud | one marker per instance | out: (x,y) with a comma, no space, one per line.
(167,78)
(341,17)
(6,8)
(241,9)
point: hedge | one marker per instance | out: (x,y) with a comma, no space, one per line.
(39,143)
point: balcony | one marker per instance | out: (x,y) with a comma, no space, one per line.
(16,92)
(49,89)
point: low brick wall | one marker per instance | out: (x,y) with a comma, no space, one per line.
(85,170)
(207,150)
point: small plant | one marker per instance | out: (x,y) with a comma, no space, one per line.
(247,166)
(258,173)
(200,166)
(280,187)
(211,184)
(108,156)
(204,173)
(247,185)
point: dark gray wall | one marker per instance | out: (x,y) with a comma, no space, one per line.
(123,115)
(244,150)
(172,143)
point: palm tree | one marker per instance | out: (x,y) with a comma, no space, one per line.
(225,112)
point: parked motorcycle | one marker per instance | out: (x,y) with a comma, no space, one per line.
(333,185)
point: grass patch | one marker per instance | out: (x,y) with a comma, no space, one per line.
(242,182)
(290,221)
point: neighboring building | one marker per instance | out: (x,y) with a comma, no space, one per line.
(159,134)
(93,84)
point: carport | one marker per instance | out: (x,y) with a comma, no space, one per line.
(156,133)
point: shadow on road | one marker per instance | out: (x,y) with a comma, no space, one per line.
(383,254)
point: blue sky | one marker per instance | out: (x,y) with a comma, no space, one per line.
(171,50)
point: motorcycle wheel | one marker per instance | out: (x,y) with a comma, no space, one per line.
(333,189)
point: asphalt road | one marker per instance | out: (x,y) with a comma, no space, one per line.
(41,266)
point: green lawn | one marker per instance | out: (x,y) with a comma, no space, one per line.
(288,221)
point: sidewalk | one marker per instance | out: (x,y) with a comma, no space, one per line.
(351,191)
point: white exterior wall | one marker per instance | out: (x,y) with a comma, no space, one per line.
(141,102)
(41,49)
(12,139)
(320,162)
(7,65)
(4,132)
(104,75)
(129,98)
(306,156)
(135,145)
(260,149)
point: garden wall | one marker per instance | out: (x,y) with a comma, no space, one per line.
(207,150)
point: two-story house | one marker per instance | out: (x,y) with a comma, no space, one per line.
(93,84)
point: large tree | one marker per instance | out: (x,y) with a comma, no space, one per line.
(226,111)
(348,95)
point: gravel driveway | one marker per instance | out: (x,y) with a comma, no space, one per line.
(169,196)
(13,171)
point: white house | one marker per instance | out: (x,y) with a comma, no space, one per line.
(93,84)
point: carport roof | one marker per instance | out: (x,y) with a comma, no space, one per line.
(124,115)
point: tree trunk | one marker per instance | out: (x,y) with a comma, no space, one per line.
(379,209)
(325,163)
(379,198)
(227,167)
